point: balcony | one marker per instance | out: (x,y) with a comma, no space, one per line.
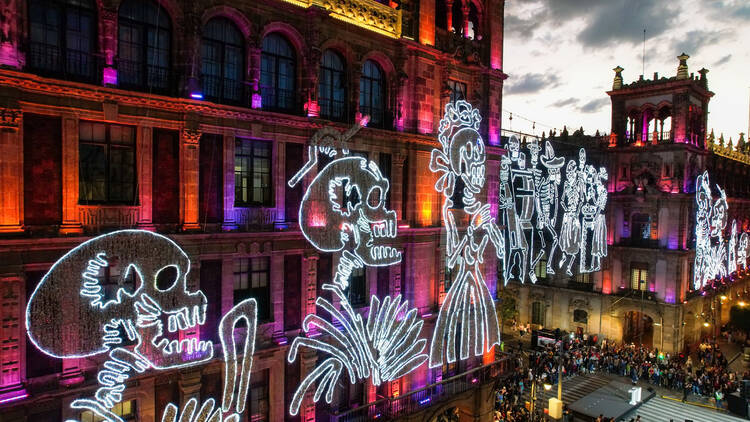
(368,14)
(419,400)
(581,287)
(635,242)
(635,294)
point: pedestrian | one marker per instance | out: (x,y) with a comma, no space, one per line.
(719,397)
(685,392)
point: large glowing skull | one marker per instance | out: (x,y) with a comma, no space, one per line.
(467,159)
(345,205)
(72,313)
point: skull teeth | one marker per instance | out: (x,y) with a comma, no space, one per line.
(188,345)
(384,252)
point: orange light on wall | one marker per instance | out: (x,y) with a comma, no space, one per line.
(489,356)
(425,213)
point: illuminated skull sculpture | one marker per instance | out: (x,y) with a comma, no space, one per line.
(70,314)
(349,194)
(467,160)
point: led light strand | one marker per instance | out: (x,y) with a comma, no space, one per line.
(715,257)
(468,302)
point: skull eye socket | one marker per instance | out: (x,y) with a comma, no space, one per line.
(166,278)
(374,197)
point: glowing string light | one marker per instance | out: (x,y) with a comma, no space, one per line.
(468,305)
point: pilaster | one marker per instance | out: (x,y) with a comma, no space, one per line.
(397,185)
(145,165)
(11,338)
(279,154)
(11,170)
(189,385)
(253,76)
(189,180)
(71,220)
(229,222)
(108,45)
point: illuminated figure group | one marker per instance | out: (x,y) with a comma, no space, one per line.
(530,201)
(714,256)
(71,315)
(467,317)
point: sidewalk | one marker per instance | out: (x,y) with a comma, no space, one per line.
(733,353)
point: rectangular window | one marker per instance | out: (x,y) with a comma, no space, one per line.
(106,169)
(537,313)
(252,279)
(457,91)
(259,396)
(358,287)
(292,291)
(639,276)
(126,410)
(583,278)
(252,173)
(541,269)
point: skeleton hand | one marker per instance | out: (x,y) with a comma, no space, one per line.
(481,217)
(207,413)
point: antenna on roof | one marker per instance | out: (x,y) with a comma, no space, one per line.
(643,57)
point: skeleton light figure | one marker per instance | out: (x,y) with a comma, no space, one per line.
(70,314)
(714,255)
(468,305)
(344,211)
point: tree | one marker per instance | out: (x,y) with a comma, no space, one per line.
(507,308)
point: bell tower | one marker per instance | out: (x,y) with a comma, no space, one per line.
(664,110)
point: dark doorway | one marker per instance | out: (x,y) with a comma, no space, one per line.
(638,328)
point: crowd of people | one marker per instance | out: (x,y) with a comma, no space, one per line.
(706,374)
(709,377)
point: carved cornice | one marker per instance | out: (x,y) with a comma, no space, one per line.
(367,14)
(10,118)
(191,136)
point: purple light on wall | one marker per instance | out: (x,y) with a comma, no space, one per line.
(109,76)
(257,101)
(196,95)
(13,396)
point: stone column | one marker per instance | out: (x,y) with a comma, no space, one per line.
(278,179)
(395,288)
(145,165)
(465,12)
(189,168)
(189,385)
(108,46)
(449,17)
(11,171)
(277,295)
(10,36)
(229,222)
(310,282)
(354,100)
(11,337)
(397,185)
(307,365)
(253,73)
(71,220)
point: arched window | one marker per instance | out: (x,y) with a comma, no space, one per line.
(223,62)
(62,38)
(277,73)
(332,89)
(144,46)
(372,93)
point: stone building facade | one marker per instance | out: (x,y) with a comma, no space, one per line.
(644,293)
(187,118)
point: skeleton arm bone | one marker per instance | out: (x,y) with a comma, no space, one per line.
(453,244)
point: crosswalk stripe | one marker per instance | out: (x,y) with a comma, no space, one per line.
(655,410)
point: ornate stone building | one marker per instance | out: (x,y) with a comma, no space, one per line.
(187,118)
(644,292)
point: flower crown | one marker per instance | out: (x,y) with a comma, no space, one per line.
(457,116)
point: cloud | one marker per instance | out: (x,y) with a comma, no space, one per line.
(693,41)
(601,23)
(565,102)
(531,83)
(594,105)
(723,60)
(623,21)
(736,9)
